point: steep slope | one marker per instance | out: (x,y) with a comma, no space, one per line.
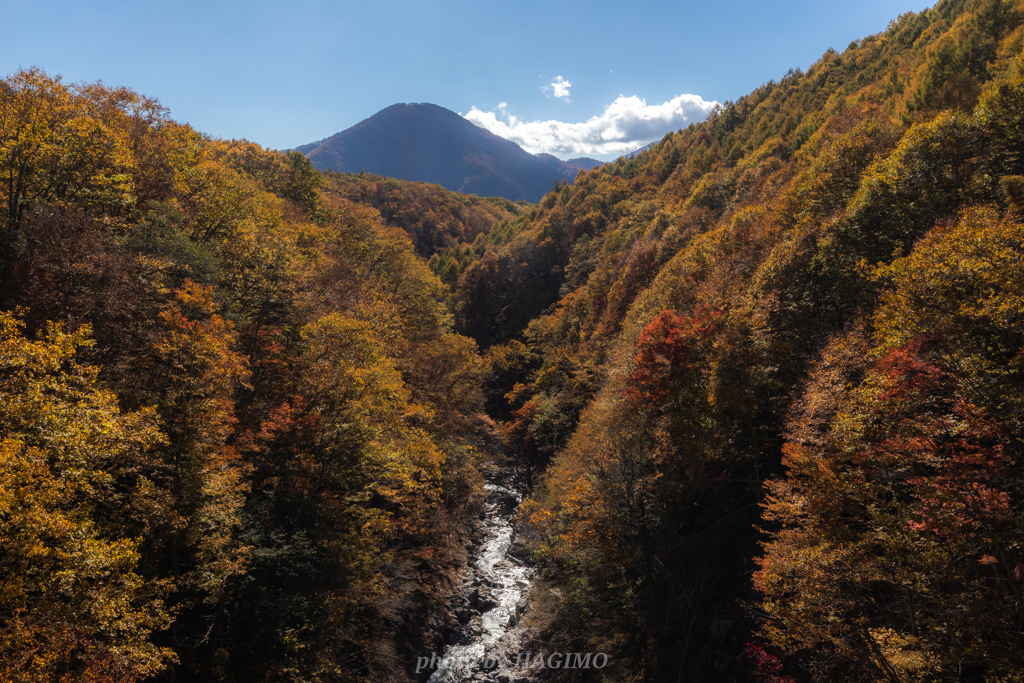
(819,287)
(234,422)
(425,142)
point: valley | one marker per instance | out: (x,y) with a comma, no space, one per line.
(742,406)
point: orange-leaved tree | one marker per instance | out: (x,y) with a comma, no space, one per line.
(898,556)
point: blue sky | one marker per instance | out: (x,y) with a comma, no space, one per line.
(283,74)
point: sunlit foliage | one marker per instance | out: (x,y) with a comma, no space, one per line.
(262,428)
(815,288)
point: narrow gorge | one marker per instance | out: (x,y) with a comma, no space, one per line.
(493,597)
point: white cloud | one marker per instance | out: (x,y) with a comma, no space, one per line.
(560,87)
(626,124)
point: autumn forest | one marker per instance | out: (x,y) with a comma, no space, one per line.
(762,385)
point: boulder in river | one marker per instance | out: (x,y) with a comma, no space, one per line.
(486,602)
(517,611)
(482,581)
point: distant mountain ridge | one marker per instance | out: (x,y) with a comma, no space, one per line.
(570,167)
(637,152)
(428,143)
(586,163)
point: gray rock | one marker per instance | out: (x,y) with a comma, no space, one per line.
(486,602)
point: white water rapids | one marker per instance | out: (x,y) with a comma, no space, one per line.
(505,580)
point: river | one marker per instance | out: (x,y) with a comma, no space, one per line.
(495,594)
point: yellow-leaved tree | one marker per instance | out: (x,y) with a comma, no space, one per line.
(73,485)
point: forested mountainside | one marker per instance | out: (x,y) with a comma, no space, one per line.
(236,429)
(435,219)
(773,369)
(428,143)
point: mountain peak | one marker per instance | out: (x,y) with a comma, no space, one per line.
(426,142)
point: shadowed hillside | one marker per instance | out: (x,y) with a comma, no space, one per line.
(766,374)
(425,142)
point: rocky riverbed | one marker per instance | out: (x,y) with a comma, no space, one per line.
(489,605)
